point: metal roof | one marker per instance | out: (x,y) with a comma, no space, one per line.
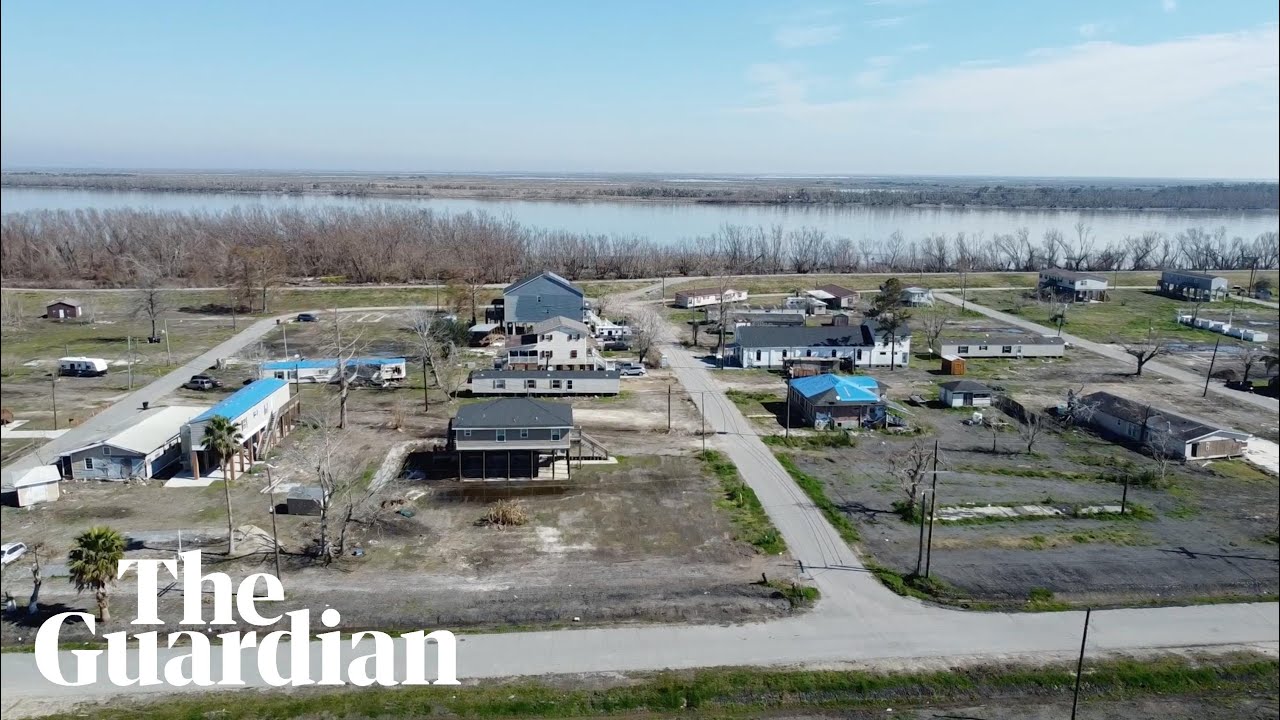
(148,431)
(547,374)
(839,388)
(1142,414)
(557,323)
(322,363)
(547,274)
(839,291)
(762,336)
(1007,340)
(243,400)
(1072,274)
(65,301)
(514,413)
(966,386)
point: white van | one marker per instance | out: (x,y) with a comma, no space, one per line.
(82,366)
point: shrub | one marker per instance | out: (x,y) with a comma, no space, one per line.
(506,512)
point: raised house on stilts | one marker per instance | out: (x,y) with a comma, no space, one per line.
(264,411)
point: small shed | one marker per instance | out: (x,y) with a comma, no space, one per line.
(63,309)
(965,393)
(952,365)
(305,500)
(34,485)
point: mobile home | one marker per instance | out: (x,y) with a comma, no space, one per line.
(82,367)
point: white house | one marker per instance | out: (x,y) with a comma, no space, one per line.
(701,297)
(1006,346)
(1158,430)
(964,393)
(1193,285)
(558,343)
(33,485)
(147,447)
(263,411)
(809,305)
(865,345)
(325,370)
(82,366)
(1072,285)
(915,296)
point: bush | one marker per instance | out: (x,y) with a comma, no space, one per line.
(506,512)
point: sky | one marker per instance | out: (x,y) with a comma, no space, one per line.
(1092,88)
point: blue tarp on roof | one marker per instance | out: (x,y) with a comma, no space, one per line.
(322,364)
(242,400)
(848,388)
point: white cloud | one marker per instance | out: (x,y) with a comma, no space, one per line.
(801,36)
(917,47)
(887,22)
(1089,30)
(1169,5)
(881,61)
(780,84)
(1095,108)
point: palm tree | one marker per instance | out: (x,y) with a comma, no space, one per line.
(222,438)
(93,564)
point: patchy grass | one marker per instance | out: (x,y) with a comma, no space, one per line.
(733,692)
(816,441)
(1042,600)
(800,596)
(812,487)
(754,525)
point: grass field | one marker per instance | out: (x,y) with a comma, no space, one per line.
(1126,316)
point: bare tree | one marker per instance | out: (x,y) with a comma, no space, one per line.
(441,351)
(150,301)
(326,456)
(1160,442)
(911,468)
(932,321)
(344,344)
(1078,410)
(1253,355)
(11,318)
(1029,430)
(1151,346)
(645,325)
(37,579)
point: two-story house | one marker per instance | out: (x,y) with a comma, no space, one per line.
(540,297)
(509,438)
(1072,285)
(559,343)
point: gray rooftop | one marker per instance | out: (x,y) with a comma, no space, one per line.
(559,322)
(514,413)
(1142,414)
(966,386)
(1007,340)
(66,301)
(546,374)
(754,336)
(1073,274)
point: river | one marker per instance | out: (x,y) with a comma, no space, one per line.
(668,222)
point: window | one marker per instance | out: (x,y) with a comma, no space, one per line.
(500,436)
(963,349)
(555,434)
(1006,349)
(88,463)
(106,450)
(757,356)
(982,348)
(466,433)
(499,384)
(808,353)
(546,338)
(524,433)
(556,384)
(530,384)
(573,353)
(569,384)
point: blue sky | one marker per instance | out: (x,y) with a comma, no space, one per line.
(1137,88)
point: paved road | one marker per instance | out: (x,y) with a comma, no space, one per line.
(1194,383)
(117,415)
(856,620)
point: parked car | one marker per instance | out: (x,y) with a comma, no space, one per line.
(631,370)
(216,382)
(197,383)
(11,551)
(617,345)
(306,317)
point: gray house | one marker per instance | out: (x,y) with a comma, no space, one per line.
(1193,285)
(1004,346)
(540,297)
(964,393)
(1161,431)
(545,382)
(509,438)
(149,446)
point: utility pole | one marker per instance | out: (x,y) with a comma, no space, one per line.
(275,537)
(1209,374)
(284,332)
(964,286)
(920,551)
(129,340)
(668,408)
(1124,497)
(426,399)
(933,508)
(53,390)
(788,410)
(1075,696)
(168,351)
(703,412)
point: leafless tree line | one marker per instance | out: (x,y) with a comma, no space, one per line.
(255,248)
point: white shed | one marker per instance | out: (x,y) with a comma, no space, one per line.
(34,485)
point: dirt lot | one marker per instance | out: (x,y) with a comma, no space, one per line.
(642,540)
(1200,531)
